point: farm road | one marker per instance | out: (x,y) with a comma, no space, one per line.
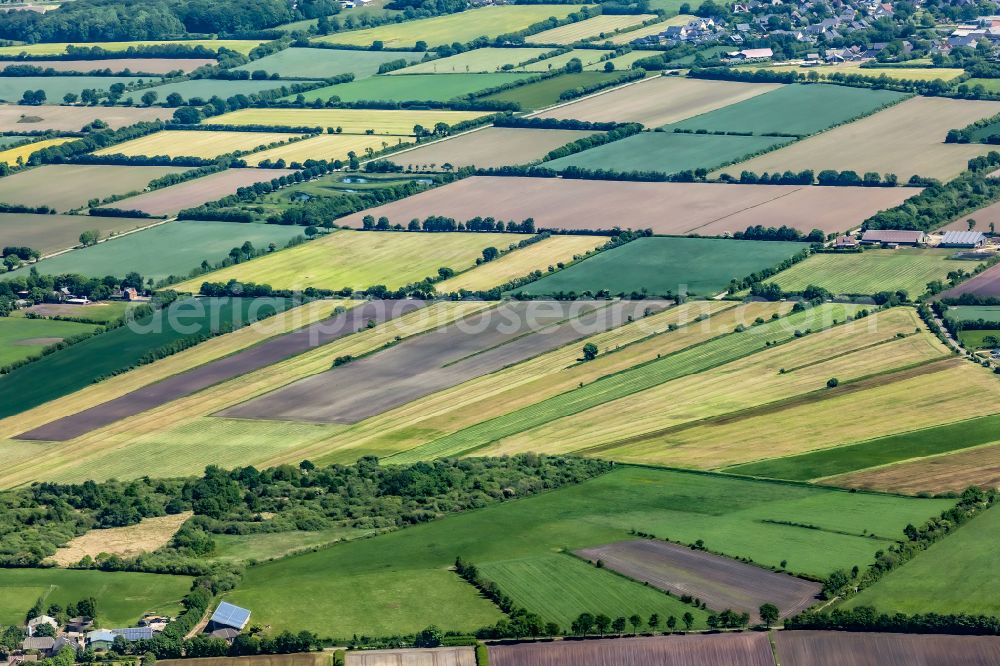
(266,353)
(425,364)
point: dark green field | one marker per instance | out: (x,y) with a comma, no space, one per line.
(305,63)
(799,109)
(881,451)
(668,152)
(546,93)
(659,265)
(77,366)
(412,87)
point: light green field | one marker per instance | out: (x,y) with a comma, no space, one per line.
(122,597)
(351,121)
(954,575)
(264,546)
(399,582)
(974,313)
(587,57)
(243,46)
(20,337)
(303,63)
(413,88)
(55,87)
(488,59)
(871,271)
(361,259)
(559,587)
(461,27)
(604,25)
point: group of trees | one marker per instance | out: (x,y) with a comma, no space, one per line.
(439,223)
(782,233)
(827,177)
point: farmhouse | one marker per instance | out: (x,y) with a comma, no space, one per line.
(892,237)
(36,622)
(228,616)
(751,54)
(38,643)
(967,239)
(846,243)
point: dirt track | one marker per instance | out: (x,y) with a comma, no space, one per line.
(248,360)
(443,358)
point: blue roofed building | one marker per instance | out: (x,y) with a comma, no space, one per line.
(134,633)
(228,616)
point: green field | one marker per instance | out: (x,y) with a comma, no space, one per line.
(666,264)
(991,85)
(546,93)
(871,271)
(977,339)
(875,452)
(243,46)
(20,337)
(412,88)
(269,545)
(449,28)
(974,313)
(174,248)
(669,152)
(207,88)
(559,587)
(399,582)
(122,597)
(488,59)
(689,361)
(303,63)
(954,575)
(55,87)
(80,365)
(798,109)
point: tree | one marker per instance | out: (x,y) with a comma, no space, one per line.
(971,223)
(583,624)
(654,621)
(90,237)
(490,253)
(602,622)
(311,231)
(832,382)
(609,66)
(589,351)
(428,638)
(688,620)
(149,98)
(636,622)
(618,625)
(70,98)
(671,623)
(769,614)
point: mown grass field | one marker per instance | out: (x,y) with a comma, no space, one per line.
(412,88)
(122,597)
(353,121)
(19,155)
(193,143)
(668,152)
(974,313)
(954,575)
(979,339)
(360,259)
(585,56)
(399,582)
(207,88)
(665,264)
(559,587)
(55,87)
(306,63)
(546,93)
(595,29)
(243,46)
(871,271)
(78,184)
(897,73)
(461,27)
(793,109)
(327,147)
(174,248)
(21,337)
(265,546)
(486,59)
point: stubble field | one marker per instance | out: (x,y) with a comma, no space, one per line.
(328,147)
(194,143)
(487,148)
(592,28)
(193,193)
(51,233)
(78,184)
(353,121)
(15,118)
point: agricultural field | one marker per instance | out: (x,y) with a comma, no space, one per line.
(21,338)
(659,100)
(720,582)
(15,157)
(327,147)
(78,184)
(122,597)
(144,537)
(15,118)
(834,648)
(490,147)
(351,121)
(487,59)
(171,249)
(592,29)
(585,56)
(897,73)
(449,28)
(546,93)
(669,152)
(974,313)
(55,87)
(243,46)
(137,66)
(742,649)
(98,313)
(654,29)
(51,233)
(193,143)
(708,209)
(666,265)
(307,63)
(980,339)
(872,271)
(412,88)
(399,581)
(189,194)
(296,659)
(443,656)
(986,284)
(620,62)
(951,576)
(207,88)
(797,109)
(906,139)
(360,259)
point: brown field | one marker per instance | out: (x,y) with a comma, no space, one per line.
(986,284)
(839,648)
(491,147)
(473,347)
(983,217)
(718,581)
(728,649)
(264,354)
(950,472)
(666,208)
(660,100)
(147,536)
(302,659)
(906,139)
(68,186)
(445,656)
(134,65)
(16,118)
(51,233)
(170,200)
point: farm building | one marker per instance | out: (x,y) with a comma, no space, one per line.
(751,54)
(968,239)
(36,622)
(39,643)
(101,639)
(134,633)
(892,237)
(228,616)
(846,243)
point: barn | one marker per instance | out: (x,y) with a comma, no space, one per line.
(966,239)
(228,616)
(892,237)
